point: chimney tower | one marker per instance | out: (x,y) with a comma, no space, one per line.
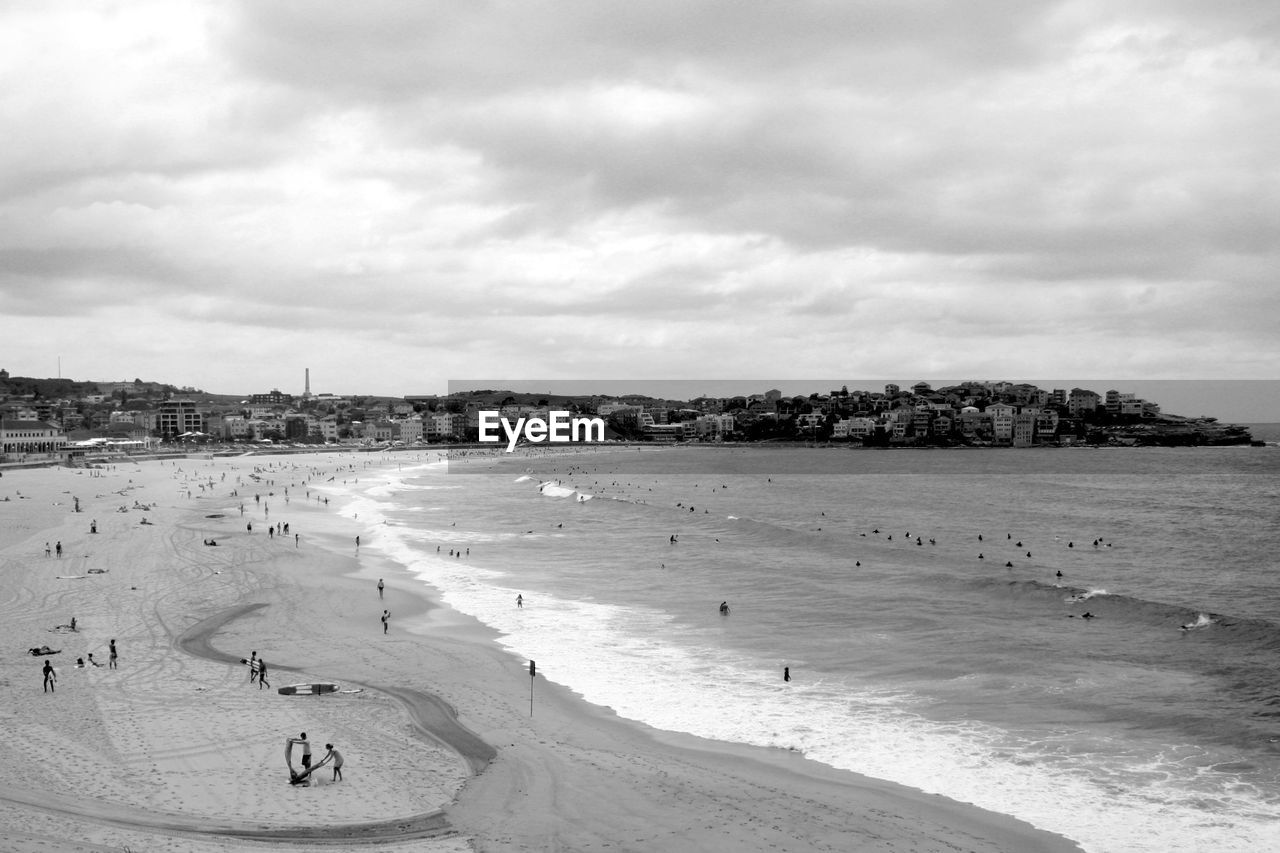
(307,390)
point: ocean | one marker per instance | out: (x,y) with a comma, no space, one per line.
(1083,638)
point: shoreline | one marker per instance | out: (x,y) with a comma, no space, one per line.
(575,775)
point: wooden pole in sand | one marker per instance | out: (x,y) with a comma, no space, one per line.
(533,671)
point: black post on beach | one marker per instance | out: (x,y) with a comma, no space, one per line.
(533,671)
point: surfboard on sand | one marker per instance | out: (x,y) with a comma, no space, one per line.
(307,689)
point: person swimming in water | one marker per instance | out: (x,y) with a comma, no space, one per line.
(724,608)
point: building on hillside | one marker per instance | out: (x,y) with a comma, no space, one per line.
(174,417)
(298,427)
(1002,421)
(230,427)
(274,397)
(1080,401)
(1024,429)
(438,427)
(409,430)
(711,427)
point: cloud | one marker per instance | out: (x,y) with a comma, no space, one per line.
(453,189)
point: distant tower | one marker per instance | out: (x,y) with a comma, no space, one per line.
(306,392)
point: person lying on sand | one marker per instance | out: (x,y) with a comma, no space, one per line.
(45,650)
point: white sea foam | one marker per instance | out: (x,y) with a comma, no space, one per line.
(1203,620)
(618,657)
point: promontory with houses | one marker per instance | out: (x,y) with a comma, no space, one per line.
(50,420)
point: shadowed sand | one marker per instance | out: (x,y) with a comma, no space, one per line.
(177,751)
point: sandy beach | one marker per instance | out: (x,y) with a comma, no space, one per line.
(176,750)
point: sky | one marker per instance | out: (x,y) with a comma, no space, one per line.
(400,194)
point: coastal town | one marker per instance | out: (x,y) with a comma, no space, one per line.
(52,420)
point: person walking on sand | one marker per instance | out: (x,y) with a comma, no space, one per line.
(253,667)
(50,677)
(386,615)
(262,674)
(58,549)
(111,659)
(520,601)
(380,586)
(336,757)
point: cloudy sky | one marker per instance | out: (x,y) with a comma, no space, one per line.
(400,194)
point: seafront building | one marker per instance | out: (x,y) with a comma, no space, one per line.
(30,441)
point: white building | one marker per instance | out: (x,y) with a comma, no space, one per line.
(26,440)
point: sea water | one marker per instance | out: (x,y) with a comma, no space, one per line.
(918,652)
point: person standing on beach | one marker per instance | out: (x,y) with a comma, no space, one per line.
(520,601)
(380,586)
(386,616)
(253,667)
(306,749)
(50,677)
(111,660)
(58,548)
(786,673)
(336,757)
(262,674)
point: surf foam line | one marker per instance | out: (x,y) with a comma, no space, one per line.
(713,693)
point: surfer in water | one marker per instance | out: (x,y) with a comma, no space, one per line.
(724,608)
